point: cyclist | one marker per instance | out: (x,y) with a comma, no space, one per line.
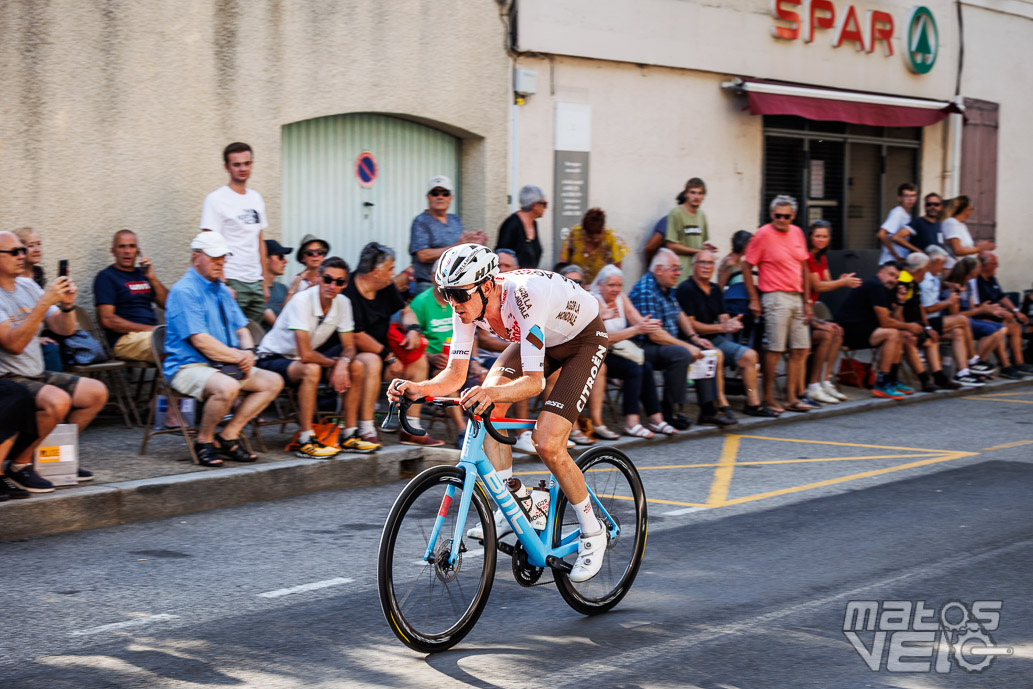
(551,324)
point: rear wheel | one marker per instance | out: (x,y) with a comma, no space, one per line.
(613,479)
(431,606)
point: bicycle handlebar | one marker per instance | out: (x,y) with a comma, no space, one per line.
(403,405)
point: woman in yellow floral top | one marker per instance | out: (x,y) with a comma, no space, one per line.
(592,245)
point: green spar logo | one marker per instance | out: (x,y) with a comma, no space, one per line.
(923,40)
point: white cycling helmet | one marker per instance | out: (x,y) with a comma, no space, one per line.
(467,264)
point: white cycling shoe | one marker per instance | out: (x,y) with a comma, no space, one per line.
(590,551)
(502,528)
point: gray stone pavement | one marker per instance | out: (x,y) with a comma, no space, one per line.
(164,482)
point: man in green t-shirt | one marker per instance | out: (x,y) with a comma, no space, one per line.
(687,232)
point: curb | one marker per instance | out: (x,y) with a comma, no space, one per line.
(91,507)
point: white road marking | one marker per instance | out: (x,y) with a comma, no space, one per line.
(684,510)
(306,587)
(125,625)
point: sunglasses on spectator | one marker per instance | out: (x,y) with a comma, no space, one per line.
(783,216)
(340,282)
(543,204)
(933,204)
(17,251)
(315,252)
(440,192)
(457,295)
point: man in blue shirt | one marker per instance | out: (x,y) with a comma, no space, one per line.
(654,296)
(927,227)
(435,230)
(125,295)
(210,354)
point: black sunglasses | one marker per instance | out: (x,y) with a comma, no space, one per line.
(543,204)
(17,251)
(315,252)
(457,295)
(783,216)
(439,192)
(931,204)
(340,282)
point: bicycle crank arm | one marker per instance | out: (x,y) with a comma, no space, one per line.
(558,564)
(504,548)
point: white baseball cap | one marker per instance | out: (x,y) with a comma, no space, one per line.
(440,181)
(211,243)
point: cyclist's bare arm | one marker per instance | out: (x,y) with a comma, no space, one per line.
(525,387)
(448,381)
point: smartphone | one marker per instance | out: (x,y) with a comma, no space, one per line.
(62,268)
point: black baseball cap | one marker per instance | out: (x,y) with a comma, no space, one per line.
(273,247)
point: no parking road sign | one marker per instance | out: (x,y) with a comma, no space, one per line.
(366,169)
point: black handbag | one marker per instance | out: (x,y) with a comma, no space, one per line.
(225,367)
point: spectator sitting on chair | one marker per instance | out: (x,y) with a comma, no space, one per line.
(653,295)
(24,308)
(909,309)
(125,296)
(779,251)
(275,265)
(311,253)
(34,255)
(292,349)
(937,304)
(703,302)
(17,422)
(507,262)
(209,353)
(867,322)
(826,335)
(1006,312)
(375,300)
(989,334)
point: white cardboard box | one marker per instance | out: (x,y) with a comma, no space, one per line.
(705,367)
(57,457)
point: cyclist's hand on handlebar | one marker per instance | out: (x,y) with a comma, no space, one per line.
(477,398)
(398,388)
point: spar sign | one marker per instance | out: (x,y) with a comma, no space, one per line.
(866,30)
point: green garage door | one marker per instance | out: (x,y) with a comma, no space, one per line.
(322,193)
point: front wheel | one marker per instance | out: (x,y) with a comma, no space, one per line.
(431,606)
(613,479)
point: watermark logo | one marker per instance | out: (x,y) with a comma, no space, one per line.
(909,636)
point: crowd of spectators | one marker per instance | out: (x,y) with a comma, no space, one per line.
(715,325)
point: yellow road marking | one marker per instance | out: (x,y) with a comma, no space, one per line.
(843,479)
(830,442)
(1010,394)
(1017,443)
(987,398)
(723,473)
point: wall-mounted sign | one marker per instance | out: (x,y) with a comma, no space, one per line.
(867,32)
(366,169)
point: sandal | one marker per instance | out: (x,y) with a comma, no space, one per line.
(662,427)
(760,410)
(605,433)
(639,431)
(232,449)
(207,455)
(579,437)
(799,406)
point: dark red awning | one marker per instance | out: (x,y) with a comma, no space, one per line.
(856,107)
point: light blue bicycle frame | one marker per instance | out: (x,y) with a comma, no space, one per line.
(474,464)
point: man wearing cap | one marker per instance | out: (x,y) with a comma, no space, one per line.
(210,354)
(275,265)
(435,230)
(238,214)
(125,295)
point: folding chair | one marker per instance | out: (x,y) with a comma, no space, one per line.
(109,372)
(142,367)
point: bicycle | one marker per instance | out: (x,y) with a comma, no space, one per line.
(434,580)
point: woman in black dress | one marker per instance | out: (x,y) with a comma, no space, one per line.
(519,232)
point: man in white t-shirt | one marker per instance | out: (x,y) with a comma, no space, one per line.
(238,214)
(294,348)
(896,229)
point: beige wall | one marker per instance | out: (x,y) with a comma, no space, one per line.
(117,118)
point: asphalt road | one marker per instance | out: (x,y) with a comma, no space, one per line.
(757,544)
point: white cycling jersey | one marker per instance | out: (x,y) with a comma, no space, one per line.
(540,309)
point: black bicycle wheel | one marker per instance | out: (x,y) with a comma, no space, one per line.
(613,479)
(431,606)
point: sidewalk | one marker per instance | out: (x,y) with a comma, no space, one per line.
(129,487)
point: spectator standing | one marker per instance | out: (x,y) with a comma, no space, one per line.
(210,356)
(592,245)
(867,322)
(826,334)
(519,232)
(927,227)
(687,231)
(34,246)
(275,266)
(292,350)
(24,308)
(1005,311)
(435,230)
(125,295)
(654,296)
(238,214)
(896,228)
(779,252)
(958,240)
(654,240)
(704,304)
(375,301)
